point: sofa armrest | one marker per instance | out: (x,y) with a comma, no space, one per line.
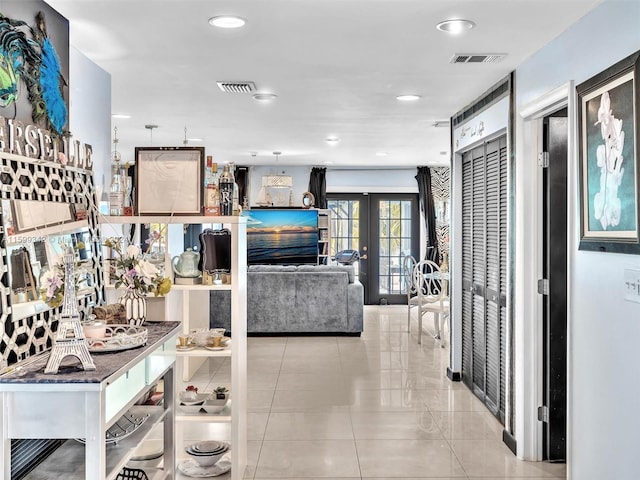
(355,307)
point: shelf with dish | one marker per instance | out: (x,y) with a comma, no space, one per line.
(198,351)
(68,461)
(182,288)
(206,412)
(186,302)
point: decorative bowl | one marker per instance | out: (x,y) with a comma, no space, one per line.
(194,406)
(215,405)
(206,460)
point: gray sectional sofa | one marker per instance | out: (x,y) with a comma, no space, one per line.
(284,299)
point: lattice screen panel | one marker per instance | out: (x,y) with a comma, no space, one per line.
(23,178)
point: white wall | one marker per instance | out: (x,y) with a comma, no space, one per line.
(339,180)
(604,330)
(90,110)
(372,181)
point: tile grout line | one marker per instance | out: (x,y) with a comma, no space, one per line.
(284,350)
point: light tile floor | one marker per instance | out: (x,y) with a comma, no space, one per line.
(377,406)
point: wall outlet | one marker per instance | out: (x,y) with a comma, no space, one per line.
(632,285)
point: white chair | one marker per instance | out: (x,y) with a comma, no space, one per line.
(407,270)
(431,296)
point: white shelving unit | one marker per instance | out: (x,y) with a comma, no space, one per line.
(324,236)
(190,304)
(86,405)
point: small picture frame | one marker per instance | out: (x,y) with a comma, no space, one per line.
(609,128)
(169,180)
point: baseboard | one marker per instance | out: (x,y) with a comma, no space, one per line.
(303,334)
(510,441)
(454,376)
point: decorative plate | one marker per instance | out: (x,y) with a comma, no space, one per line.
(124,426)
(191,468)
(186,348)
(119,337)
(214,349)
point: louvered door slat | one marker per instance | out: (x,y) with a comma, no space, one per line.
(492,321)
(467,268)
(484,272)
(503,228)
(479,268)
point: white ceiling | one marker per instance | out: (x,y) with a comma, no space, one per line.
(336,66)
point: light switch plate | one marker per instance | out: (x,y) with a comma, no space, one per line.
(632,285)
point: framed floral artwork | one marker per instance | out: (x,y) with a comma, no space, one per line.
(609,176)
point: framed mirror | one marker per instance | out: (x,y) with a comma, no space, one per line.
(45,207)
(308,200)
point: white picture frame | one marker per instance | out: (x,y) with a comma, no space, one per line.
(169,180)
(31,215)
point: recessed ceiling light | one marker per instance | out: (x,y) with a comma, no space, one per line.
(408,98)
(455,26)
(332,140)
(381,154)
(227,21)
(264,97)
(120,115)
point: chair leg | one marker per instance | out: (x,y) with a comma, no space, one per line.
(445,321)
(419,325)
(408,319)
(436,325)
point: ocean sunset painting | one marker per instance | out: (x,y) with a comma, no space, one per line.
(282,237)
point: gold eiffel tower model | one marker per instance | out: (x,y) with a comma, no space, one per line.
(69,339)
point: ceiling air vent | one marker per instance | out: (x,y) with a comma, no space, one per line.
(477,57)
(237,87)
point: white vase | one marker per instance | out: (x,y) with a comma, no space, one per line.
(135,306)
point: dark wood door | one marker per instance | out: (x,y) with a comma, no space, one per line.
(555,129)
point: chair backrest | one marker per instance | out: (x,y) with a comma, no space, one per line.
(407,270)
(428,281)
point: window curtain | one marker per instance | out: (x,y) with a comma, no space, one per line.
(427,207)
(318,186)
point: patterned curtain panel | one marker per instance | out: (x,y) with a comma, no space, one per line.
(427,207)
(441,190)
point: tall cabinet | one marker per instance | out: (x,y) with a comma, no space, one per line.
(190,305)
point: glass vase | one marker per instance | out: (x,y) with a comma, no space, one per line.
(135,305)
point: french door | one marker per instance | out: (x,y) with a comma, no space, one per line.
(384,228)
(484,272)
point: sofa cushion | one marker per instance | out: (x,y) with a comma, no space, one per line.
(272,268)
(351,272)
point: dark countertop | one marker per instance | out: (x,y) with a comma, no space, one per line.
(32,369)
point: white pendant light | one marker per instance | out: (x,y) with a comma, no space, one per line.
(277,181)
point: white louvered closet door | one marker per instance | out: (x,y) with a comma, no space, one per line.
(484,272)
